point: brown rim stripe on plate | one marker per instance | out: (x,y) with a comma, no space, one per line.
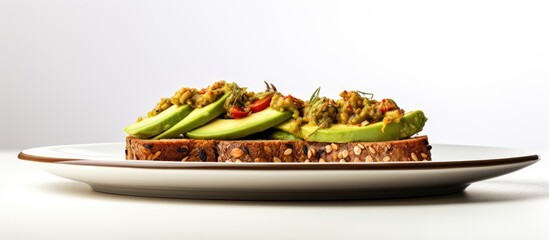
(281,166)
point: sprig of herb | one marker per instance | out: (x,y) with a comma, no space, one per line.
(314,97)
(319,127)
(237,93)
(270,87)
(367,95)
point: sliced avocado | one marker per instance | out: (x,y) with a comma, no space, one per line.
(410,124)
(281,135)
(196,118)
(239,128)
(154,125)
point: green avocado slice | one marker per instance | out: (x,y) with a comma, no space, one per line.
(154,125)
(281,135)
(410,124)
(227,129)
(196,118)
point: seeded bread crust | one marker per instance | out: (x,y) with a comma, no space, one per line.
(171,150)
(411,149)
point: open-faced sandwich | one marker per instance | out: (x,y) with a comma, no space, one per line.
(228,123)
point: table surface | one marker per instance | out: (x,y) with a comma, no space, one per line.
(37,205)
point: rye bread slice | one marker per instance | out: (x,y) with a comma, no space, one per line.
(411,149)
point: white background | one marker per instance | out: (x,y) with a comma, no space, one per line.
(79,71)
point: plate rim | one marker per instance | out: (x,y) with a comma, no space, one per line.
(141,164)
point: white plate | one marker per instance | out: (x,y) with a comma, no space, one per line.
(104,168)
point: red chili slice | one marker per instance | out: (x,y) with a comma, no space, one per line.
(261,104)
(385,109)
(237,112)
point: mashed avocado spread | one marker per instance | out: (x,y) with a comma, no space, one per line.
(354,108)
(191,96)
